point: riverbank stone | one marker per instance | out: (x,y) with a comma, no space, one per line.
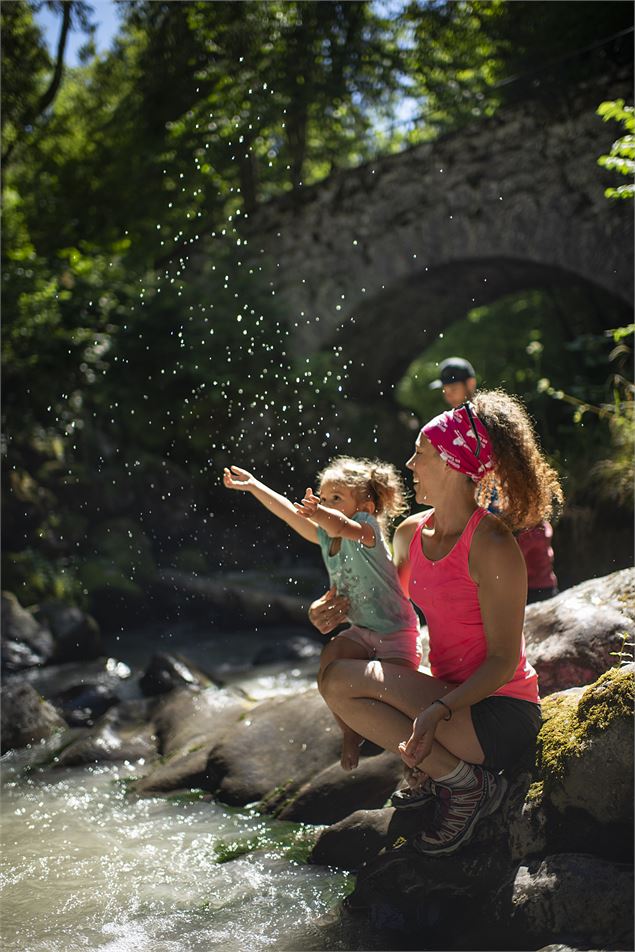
(83,704)
(26,717)
(188,723)
(165,672)
(122,734)
(75,633)
(586,748)
(573,638)
(25,642)
(54,682)
(573,898)
(280,743)
(335,793)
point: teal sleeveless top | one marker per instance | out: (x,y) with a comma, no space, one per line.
(368,578)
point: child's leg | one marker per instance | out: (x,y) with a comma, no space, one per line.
(343,647)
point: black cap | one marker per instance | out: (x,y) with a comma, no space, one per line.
(453,370)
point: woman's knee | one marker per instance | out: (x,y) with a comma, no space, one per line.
(337,678)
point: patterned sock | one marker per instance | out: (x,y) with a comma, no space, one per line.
(463,777)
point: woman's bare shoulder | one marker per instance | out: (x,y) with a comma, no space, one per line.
(406,529)
(494,547)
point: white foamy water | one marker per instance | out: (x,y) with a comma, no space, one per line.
(87,865)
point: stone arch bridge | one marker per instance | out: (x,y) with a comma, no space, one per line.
(379,259)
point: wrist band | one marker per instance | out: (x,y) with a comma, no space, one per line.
(446,706)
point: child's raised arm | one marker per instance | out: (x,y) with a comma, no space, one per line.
(333,522)
(280,506)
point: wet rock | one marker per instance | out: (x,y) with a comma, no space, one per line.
(188,724)
(103,676)
(436,897)
(362,835)
(586,748)
(299,648)
(358,838)
(571,639)
(280,743)
(335,793)
(26,717)
(83,704)
(190,714)
(166,672)
(528,826)
(25,643)
(573,898)
(122,734)
(76,634)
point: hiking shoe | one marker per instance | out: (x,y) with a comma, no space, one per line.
(409,797)
(458,812)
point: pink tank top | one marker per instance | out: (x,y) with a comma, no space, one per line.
(448,596)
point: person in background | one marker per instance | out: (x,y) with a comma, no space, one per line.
(457,379)
(535,545)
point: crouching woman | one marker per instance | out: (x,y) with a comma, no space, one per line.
(478,712)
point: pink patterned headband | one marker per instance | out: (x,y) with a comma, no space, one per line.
(461,441)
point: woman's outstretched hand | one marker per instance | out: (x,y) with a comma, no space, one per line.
(329,611)
(237,478)
(419,744)
(308,506)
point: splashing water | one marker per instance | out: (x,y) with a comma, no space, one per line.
(86,865)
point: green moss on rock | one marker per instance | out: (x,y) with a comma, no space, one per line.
(570,718)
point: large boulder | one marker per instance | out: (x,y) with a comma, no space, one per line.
(440,899)
(188,723)
(82,691)
(573,638)
(335,793)
(25,643)
(122,734)
(280,743)
(26,717)
(586,748)
(575,898)
(165,672)
(75,633)
(364,834)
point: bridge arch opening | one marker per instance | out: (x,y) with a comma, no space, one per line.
(531,329)
(384,334)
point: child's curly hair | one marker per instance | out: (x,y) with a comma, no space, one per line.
(369,479)
(528,489)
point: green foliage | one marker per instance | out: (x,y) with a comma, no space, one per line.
(141,353)
(25,64)
(621,158)
(573,382)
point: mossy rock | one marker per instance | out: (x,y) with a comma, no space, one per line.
(586,747)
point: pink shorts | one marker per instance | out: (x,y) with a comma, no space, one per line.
(404,645)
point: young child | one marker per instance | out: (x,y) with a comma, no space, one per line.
(357,499)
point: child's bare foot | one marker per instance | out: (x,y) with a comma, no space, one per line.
(350,751)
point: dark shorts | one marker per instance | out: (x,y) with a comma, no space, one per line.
(507,729)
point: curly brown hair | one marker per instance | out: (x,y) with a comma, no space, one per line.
(527,488)
(369,479)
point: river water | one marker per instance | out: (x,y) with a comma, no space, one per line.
(88,865)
